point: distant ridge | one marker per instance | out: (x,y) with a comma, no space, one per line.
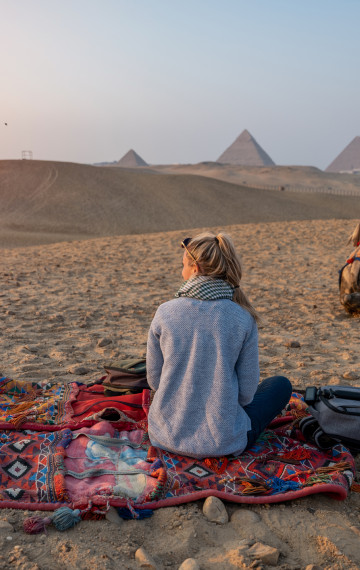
(131,159)
(106,163)
(45,201)
(348,160)
(245,151)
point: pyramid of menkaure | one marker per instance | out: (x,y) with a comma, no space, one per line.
(131,159)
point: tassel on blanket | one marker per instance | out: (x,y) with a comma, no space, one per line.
(62,519)
(280,486)
(19,419)
(341,466)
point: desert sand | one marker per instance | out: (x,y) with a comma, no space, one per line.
(43,202)
(61,301)
(295,178)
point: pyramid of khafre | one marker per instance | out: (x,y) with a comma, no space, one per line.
(245,151)
(131,159)
(348,160)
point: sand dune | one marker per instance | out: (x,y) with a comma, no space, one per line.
(45,202)
(296,177)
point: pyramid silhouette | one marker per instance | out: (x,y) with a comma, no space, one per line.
(348,159)
(245,151)
(131,159)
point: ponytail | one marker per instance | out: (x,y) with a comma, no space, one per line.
(216,257)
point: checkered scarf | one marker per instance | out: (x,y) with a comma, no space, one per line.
(205,288)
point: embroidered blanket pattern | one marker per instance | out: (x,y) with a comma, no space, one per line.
(275,466)
(112,463)
(32,467)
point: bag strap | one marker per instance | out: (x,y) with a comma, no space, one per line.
(349,261)
(341,393)
(340,410)
(340,273)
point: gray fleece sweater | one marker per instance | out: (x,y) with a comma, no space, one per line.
(202,360)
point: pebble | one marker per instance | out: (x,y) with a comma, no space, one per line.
(214,510)
(104,342)
(264,553)
(189,564)
(144,559)
(113,517)
(5,527)
(292,344)
(85,322)
(78,370)
(31,348)
(350,375)
(56,318)
(245,542)
(245,517)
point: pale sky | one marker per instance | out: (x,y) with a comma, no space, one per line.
(178,80)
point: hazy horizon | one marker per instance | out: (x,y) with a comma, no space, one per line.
(85,81)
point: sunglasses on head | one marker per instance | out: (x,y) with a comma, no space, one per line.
(185,242)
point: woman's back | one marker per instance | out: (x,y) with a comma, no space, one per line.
(203,363)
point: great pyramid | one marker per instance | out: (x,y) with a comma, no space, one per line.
(131,159)
(348,160)
(245,151)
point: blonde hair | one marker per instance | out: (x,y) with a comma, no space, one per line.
(216,257)
(354,238)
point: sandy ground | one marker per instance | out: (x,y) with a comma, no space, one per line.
(59,300)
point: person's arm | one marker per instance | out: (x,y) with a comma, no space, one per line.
(247,367)
(154,357)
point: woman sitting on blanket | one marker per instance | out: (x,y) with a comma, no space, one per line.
(202,360)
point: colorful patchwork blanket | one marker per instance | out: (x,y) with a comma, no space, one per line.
(51,407)
(111,461)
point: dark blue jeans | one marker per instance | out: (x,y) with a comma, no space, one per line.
(270,398)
